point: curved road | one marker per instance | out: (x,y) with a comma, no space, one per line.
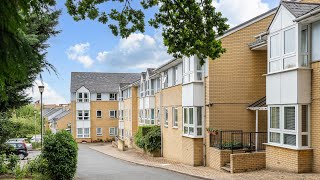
(93,165)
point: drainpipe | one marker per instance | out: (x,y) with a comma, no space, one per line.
(204,116)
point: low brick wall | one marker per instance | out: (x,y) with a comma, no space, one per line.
(289,160)
(217,158)
(244,162)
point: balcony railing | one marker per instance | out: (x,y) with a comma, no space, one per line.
(238,140)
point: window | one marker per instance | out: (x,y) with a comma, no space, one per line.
(158,115)
(166,117)
(99,131)
(175,117)
(141,90)
(79,132)
(83,115)
(192,121)
(304,62)
(165,79)
(289,41)
(152,115)
(113,97)
(86,132)
(289,118)
(275,117)
(175,75)
(158,84)
(289,62)
(98,96)
(289,125)
(99,114)
(315,41)
(83,97)
(113,114)
(113,131)
(274,46)
(199,70)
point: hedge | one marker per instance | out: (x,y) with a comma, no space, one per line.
(148,138)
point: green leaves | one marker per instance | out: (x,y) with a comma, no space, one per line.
(189,27)
(148,138)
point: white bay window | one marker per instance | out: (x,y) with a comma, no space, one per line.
(288,125)
(192,121)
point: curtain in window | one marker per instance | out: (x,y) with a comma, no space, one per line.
(289,118)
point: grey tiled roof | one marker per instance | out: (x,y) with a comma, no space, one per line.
(150,71)
(299,9)
(101,82)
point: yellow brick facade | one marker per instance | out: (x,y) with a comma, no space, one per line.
(236,80)
(105,122)
(62,124)
(244,162)
(130,119)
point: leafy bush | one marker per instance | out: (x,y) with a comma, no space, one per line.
(6,149)
(20,172)
(61,151)
(148,138)
(153,139)
(3,166)
(38,166)
(12,162)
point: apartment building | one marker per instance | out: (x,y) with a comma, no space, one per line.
(94,104)
(128,112)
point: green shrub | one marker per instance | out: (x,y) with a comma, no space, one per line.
(3,166)
(6,149)
(153,139)
(61,151)
(12,161)
(20,172)
(38,166)
(148,138)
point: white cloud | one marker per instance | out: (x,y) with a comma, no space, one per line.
(50,96)
(78,53)
(239,11)
(102,56)
(136,53)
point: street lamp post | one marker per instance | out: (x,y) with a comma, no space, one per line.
(41,89)
(35,124)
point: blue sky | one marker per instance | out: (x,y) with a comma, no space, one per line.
(88,45)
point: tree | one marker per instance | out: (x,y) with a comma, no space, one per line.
(189,27)
(25,27)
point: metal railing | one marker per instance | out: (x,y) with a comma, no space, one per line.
(239,140)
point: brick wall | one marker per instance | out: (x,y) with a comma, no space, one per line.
(217,158)
(243,162)
(289,160)
(63,122)
(235,81)
(315,116)
(105,122)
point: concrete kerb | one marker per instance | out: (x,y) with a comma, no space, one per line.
(153,166)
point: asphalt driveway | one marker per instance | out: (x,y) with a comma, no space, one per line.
(93,165)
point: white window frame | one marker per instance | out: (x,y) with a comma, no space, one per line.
(194,125)
(99,99)
(80,135)
(82,99)
(114,116)
(298,127)
(152,118)
(166,117)
(175,117)
(114,131)
(113,97)
(97,132)
(83,117)
(99,117)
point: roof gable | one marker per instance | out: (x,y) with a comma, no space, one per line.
(299,9)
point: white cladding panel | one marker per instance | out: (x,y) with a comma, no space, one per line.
(149,102)
(273,89)
(170,77)
(187,94)
(282,19)
(83,89)
(82,106)
(83,124)
(145,102)
(121,125)
(192,94)
(304,86)
(288,87)
(198,97)
(93,96)
(141,103)
(315,41)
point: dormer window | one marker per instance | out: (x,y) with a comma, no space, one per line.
(113,96)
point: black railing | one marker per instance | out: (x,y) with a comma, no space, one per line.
(222,139)
(239,140)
